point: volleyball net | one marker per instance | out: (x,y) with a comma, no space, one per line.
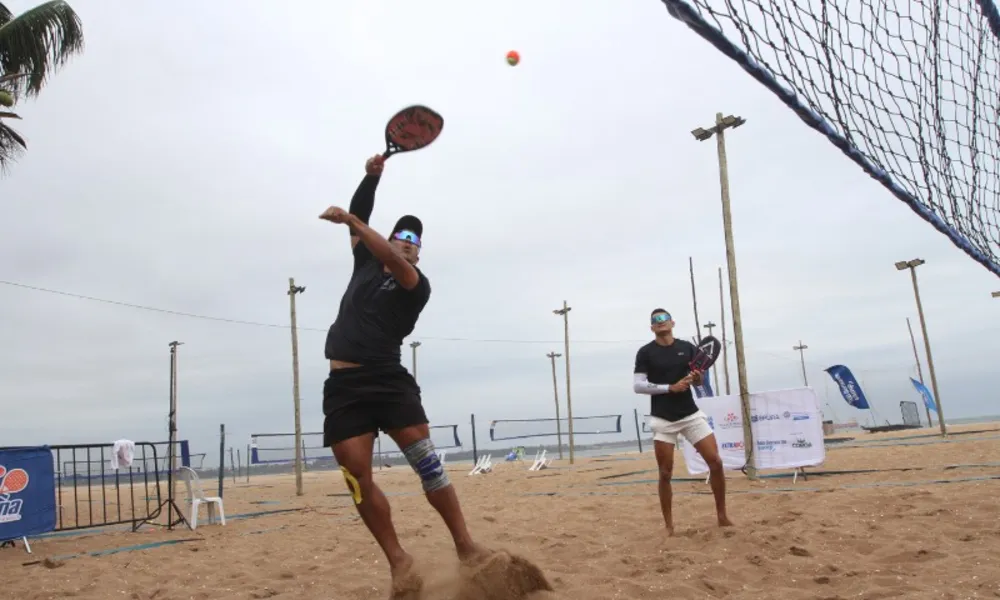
(910,91)
(519,429)
(279,448)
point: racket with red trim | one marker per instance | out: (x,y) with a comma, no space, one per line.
(706,353)
(412,128)
(13,481)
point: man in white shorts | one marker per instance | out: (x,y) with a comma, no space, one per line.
(662,370)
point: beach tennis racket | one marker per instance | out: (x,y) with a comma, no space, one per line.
(410,129)
(13,481)
(706,353)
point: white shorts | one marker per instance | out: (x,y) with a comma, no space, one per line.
(694,428)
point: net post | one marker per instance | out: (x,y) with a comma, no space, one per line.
(638,432)
(475,452)
(222,454)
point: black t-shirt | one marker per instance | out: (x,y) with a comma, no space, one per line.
(376,313)
(667,365)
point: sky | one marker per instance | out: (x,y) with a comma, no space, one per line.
(182,160)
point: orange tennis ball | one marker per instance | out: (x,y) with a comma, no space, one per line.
(513,58)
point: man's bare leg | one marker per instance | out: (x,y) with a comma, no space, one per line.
(709,451)
(665,463)
(355,455)
(444,500)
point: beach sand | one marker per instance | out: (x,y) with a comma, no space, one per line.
(925,525)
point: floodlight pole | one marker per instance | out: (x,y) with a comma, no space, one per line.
(564,311)
(414,346)
(725,353)
(715,372)
(700,134)
(555,393)
(912,266)
(920,372)
(801,348)
(293,291)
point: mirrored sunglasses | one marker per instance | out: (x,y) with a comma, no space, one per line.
(660,318)
(407,236)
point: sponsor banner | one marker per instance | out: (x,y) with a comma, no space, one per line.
(787,427)
(27,492)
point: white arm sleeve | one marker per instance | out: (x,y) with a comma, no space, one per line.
(641,385)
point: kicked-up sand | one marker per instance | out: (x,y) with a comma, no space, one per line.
(921,520)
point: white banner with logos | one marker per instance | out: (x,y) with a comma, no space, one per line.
(787,428)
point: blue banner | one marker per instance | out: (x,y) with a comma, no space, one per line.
(27,492)
(850,389)
(925,394)
(705,389)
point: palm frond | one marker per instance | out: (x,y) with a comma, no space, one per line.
(37,42)
(12,145)
(11,77)
(5,14)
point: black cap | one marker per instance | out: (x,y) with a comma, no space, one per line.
(410,223)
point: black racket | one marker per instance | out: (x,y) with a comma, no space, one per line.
(410,129)
(706,353)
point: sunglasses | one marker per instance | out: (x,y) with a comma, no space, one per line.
(407,236)
(659,318)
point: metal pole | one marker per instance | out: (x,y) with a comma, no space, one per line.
(802,358)
(927,348)
(475,450)
(709,326)
(222,454)
(414,346)
(172,435)
(721,124)
(293,290)
(725,352)
(694,301)
(920,372)
(569,398)
(638,431)
(555,393)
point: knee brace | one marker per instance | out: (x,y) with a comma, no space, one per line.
(352,483)
(425,462)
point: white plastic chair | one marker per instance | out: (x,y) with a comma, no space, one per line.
(197,497)
(540,461)
(483,465)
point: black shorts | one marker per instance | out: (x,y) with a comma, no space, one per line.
(360,400)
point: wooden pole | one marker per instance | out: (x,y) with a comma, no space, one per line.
(569,398)
(294,290)
(725,352)
(555,393)
(694,300)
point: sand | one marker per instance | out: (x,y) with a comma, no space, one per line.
(926,525)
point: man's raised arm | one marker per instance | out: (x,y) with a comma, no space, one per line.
(363,201)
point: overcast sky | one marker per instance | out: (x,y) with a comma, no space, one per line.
(182,160)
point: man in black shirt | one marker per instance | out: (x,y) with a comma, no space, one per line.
(368,389)
(662,370)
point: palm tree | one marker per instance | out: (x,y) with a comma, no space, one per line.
(33,45)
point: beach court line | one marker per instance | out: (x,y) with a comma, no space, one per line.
(778,490)
(788,475)
(116,550)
